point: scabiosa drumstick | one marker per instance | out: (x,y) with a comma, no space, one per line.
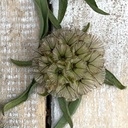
(69,63)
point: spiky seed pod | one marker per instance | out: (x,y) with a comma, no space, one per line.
(70,63)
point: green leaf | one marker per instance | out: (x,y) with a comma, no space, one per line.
(45,12)
(23,97)
(94,6)
(53,20)
(44,94)
(37,4)
(85,29)
(72,109)
(62,9)
(108,82)
(64,108)
(22,63)
(74,105)
(110,79)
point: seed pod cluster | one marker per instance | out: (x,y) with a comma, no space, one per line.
(69,63)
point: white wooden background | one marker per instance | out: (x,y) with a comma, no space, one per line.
(106,107)
(19,29)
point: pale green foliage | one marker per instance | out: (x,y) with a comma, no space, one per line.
(69,64)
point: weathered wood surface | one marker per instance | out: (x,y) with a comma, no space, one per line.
(106,107)
(19,28)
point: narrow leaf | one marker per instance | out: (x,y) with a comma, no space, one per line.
(72,109)
(94,6)
(37,4)
(45,11)
(53,20)
(62,9)
(85,29)
(108,82)
(22,63)
(23,97)
(64,107)
(44,94)
(113,80)
(74,105)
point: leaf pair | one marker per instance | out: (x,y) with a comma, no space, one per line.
(64,3)
(53,20)
(68,110)
(45,14)
(61,13)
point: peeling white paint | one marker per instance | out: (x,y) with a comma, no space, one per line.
(19,28)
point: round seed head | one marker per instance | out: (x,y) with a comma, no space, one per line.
(70,63)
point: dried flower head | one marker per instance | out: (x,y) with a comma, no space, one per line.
(69,63)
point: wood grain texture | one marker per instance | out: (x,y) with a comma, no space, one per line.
(19,27)
(106,107)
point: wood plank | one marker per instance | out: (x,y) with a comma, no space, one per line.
(19,27)
(106,107)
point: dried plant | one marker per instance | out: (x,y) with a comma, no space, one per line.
(70,63)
